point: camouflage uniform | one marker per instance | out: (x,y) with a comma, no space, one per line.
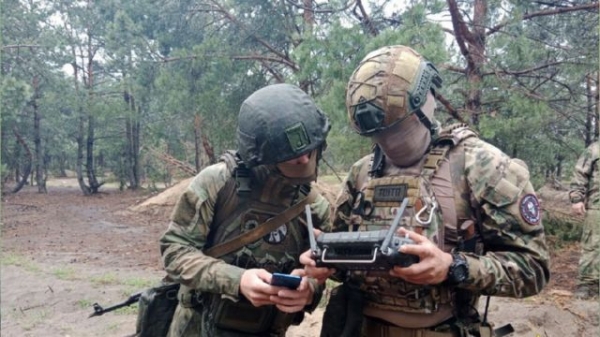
(490,214)
(585,188)
(210,211)
(516,262)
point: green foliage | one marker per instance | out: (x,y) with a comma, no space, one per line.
(15,94)
(180,61)
(561,231)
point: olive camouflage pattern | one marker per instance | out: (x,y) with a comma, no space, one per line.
(586,179)
(213,280)
(585,188)
(224,201)
(484,180)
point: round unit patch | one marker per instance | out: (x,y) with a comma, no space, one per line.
(530,209)
(277,236)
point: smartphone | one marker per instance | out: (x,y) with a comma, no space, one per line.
(286,280)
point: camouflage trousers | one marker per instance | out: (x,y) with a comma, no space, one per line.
(186,323)
(589,263)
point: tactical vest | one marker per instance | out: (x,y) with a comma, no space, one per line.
(249,198)
(437,209)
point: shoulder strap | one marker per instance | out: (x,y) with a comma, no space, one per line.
(262,229)
(449,138)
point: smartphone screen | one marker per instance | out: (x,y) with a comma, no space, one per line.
(286,280)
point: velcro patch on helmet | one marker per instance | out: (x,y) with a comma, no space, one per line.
(297,137)
(407,67)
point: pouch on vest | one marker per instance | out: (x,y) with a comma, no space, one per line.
(343,314)
(156,308)
(243,316)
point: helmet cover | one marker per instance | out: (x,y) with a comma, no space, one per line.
(390,84)
(277,123)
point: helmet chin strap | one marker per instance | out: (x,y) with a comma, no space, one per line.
(425,115)
(431,125)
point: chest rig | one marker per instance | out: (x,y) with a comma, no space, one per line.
(251,203)
(248,199)
(432,212)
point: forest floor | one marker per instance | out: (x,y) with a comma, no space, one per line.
(61,252)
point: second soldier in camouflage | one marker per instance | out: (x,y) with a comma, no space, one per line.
(473,213)
(281,134)
(585,201)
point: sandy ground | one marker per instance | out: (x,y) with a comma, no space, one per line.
(61,252)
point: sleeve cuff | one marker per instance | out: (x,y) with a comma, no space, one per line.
(575,200)
(317,295)
(231,286)
(474,272)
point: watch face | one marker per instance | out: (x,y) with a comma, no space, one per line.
(460,273)
(459,270)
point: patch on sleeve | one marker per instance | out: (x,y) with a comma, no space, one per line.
(530,209)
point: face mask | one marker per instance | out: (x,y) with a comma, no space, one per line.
(300,173)
(406,143)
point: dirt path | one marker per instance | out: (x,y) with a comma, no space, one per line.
(61,252)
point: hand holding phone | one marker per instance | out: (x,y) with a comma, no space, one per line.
(286,280)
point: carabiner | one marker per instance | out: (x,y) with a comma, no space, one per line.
(434,205)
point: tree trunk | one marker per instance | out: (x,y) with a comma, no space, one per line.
(136,152)
(79,165)
(472,46)
(80,130)
(40,178)
(132,142)
(591,120)
(22,180)
(91,120)
(308,18)
(128,152)
(198,142)
(62,164)
(597,102)
(91,170)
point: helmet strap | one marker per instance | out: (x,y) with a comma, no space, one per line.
(378,162)
(425,120)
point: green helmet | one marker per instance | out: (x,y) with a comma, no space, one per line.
(277,123)
(390,84)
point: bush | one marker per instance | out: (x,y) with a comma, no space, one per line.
(562,230)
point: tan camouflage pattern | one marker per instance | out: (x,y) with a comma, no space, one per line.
(585,187)
(400,76)
(190,227)
(422,215)
(585,184)
(589,262)
(516,261)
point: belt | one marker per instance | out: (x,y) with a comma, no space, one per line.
(373,328)
(190,299)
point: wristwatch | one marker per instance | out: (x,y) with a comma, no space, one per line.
(576,199)
(458,272)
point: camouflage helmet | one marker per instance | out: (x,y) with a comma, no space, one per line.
(277,123)
(389,84)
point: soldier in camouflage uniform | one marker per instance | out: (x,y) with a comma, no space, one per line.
(281,134)
(473,214)
(585,201)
